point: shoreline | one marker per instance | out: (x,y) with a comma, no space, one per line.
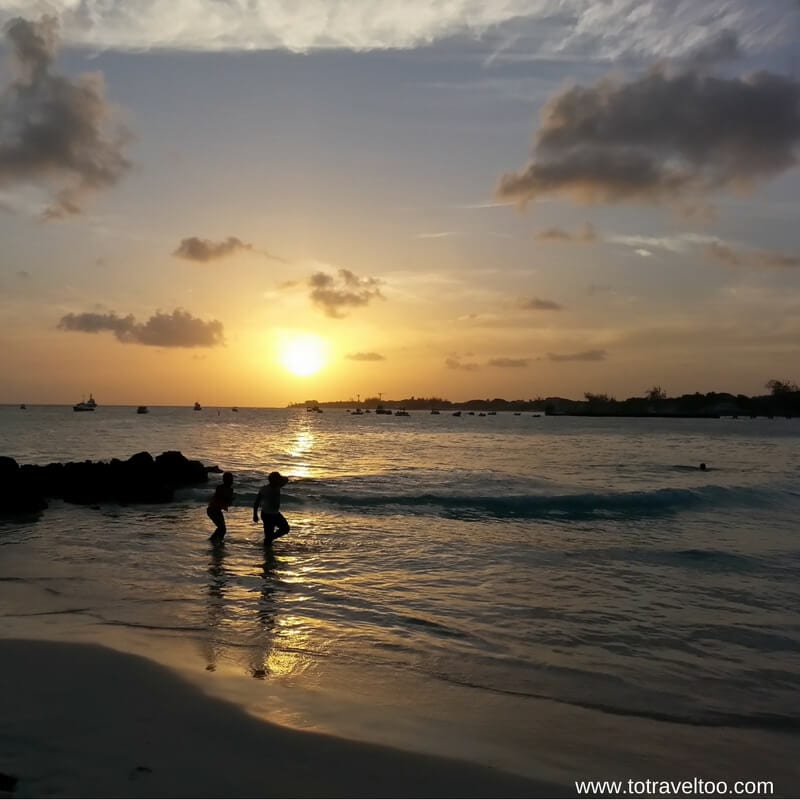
(83,720)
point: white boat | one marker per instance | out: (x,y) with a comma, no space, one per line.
(85,405)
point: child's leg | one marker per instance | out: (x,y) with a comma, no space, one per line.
(281,524)
(218,518)
(268,518)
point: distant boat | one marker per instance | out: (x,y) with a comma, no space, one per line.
(314,408)
(379,409)
(434,411)
(402,413)
(142,410)
(198,407)
(22,407)
(85,405)
(491,413)
(456,413)
(234,409)
(358,412)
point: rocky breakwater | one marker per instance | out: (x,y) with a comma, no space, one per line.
(139,479)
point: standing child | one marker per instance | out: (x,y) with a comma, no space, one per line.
(220,501)
(269,497)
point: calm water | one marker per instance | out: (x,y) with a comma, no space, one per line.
(556,596)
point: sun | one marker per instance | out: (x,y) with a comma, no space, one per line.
(303,354)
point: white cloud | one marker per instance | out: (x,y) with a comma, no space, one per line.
(519,28)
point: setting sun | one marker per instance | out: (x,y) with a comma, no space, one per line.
(303,354)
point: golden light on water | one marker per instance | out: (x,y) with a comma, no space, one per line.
(303,354)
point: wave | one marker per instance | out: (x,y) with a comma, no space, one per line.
(586,505)
(710,719)
(582,505)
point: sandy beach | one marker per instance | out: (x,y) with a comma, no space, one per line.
(87,721)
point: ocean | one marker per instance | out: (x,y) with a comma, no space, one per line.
(560,597)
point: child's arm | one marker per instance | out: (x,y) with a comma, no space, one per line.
(256,504)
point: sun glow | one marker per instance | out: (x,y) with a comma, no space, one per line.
(303,354)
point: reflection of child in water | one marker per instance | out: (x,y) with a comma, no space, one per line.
(220,501)
(269,497)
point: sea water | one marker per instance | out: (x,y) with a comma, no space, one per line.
(560,597)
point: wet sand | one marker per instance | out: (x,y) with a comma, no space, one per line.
(85,721)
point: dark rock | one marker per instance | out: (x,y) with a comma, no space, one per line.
(8,783)
(139,479)
(17,495)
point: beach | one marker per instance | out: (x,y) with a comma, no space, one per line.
(87,721)
(525,601)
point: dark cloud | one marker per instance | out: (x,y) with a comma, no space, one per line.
(509,362)
(586,355)
(739,257)
(539,304)
(585,235)
(724,46)
(664,137)
(195,249)
(365,357)
(345,290)
(722,254)
(454,362)
(178,329)
(56,132)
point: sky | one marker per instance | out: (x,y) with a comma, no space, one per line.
(258,202)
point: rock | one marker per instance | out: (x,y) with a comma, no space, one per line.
(17,495)
(139,479)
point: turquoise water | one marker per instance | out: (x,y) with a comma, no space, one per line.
(560,597)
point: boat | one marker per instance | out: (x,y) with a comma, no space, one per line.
(85,405)
(142,410)
(358,412)
(456,413)
(434,411)
(235,408)
(22,407)
(402,413)
(198,407)
(379,409)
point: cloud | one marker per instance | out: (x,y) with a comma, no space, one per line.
(455,362)
(586,355)
(663,138)
(178,329)
(585,235)
(365,357)
(196,249)
(333,294)
(56,133)
(437,235)
(508,362)
(526,29)
(730,256)
(539,304)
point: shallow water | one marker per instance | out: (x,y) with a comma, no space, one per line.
(559,596)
